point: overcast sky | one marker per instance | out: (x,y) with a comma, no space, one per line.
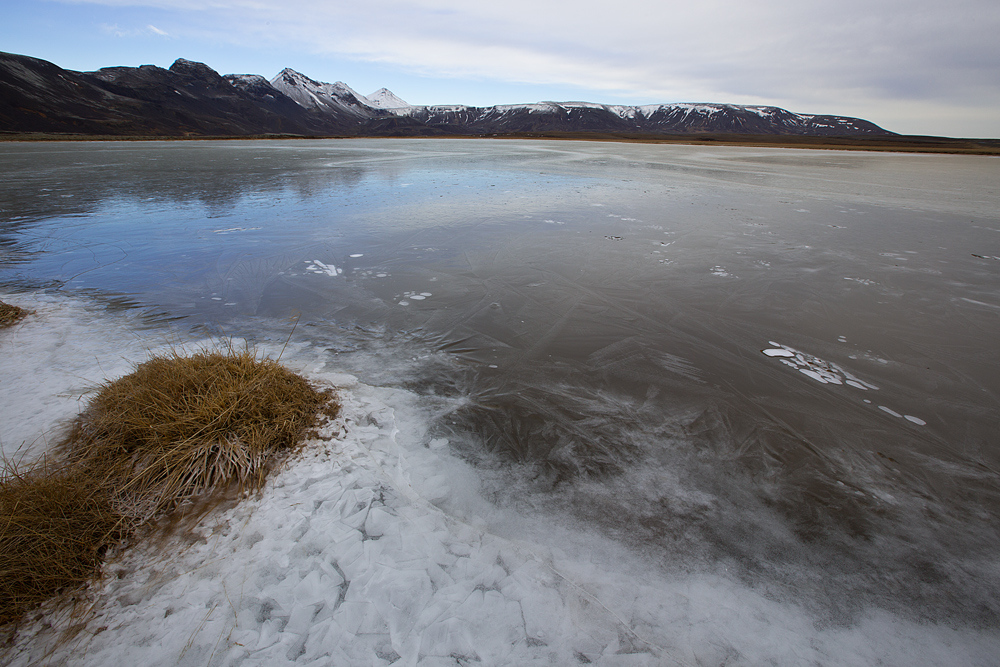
(911,66)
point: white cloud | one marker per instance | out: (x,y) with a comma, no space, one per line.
(117,31)
(808,55)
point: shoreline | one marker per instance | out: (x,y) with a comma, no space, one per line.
(881,144)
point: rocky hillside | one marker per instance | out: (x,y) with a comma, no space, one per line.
(192,99)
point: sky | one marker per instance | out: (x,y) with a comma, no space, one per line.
(911,66)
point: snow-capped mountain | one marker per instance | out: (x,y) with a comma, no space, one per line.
(313,94)
(191,98)
(383,98)
(652,118)
(558,116)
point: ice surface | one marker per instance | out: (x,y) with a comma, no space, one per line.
(606,405)
(53,360)
(348,557)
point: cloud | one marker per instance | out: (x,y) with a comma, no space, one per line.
(810,55)
(117,31)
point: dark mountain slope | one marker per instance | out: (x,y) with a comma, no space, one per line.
(188,99)
(192,99)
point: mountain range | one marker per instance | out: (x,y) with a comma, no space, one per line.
(192,99)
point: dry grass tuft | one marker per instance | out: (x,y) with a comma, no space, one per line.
(178,426)
(174,429)
(11,315)
(56,526)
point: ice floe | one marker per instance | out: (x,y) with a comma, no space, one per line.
(822,371)
(406,297)
(320,268)
(910,418)
(230,230)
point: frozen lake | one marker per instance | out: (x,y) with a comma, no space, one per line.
(772,368)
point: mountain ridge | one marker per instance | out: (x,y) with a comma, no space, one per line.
(192,99)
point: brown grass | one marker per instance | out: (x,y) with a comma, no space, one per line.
(11,315)
(57,525)
(172,430)
(178,426)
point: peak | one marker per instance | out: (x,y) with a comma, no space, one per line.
(293,77)
(182,66)
(182,63)
(385,99)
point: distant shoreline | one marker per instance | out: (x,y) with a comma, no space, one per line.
(889,144)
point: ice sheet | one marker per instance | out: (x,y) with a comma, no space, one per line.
(53,361)
(583,386)
(348,557)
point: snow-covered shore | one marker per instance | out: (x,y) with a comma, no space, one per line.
(373,546)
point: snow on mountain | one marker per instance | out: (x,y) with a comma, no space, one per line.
(254,84)
(576,116)
(323,96)
(383,98)
(660,118)
(246,80)
(191,97)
